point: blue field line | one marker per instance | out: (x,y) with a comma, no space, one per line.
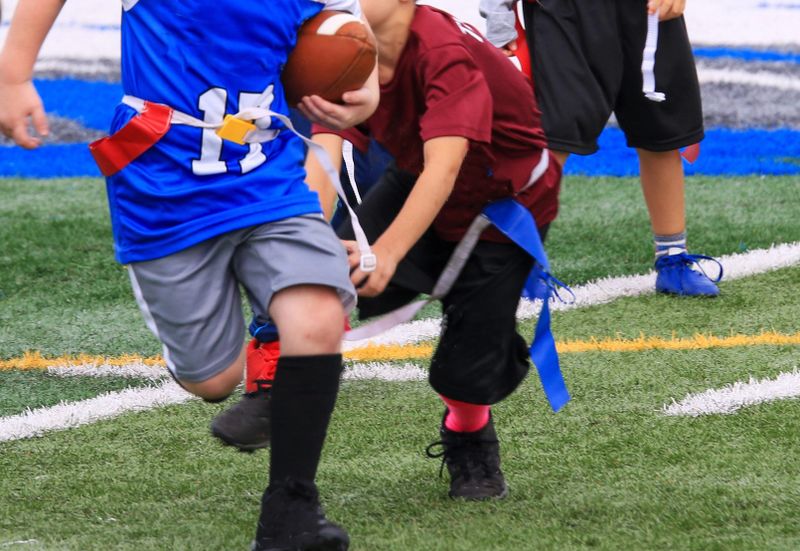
(49,161)
(723,153)
(89,102)
(745,54)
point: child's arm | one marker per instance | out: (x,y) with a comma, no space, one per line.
(667,9)
(500,21)
(358,106)
(317,179)
(443,158)
(19,100)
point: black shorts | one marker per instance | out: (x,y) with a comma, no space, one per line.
(481,358)
(586,57)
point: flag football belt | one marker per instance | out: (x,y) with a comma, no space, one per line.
(248,126)
(516,223)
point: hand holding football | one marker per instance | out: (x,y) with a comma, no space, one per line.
(335,53)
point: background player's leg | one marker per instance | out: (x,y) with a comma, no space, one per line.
(663,188)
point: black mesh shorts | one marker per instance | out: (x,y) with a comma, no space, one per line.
(586,57)
(480,358)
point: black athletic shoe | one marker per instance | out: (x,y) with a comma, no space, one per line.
(473,461)
(292,520)
(245,425)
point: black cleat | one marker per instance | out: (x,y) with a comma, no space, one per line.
(473,461)
(245,425)
(292,520)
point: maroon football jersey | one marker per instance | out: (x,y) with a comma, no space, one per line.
(450,81)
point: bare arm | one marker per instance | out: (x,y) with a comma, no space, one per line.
(358,106)
(443,159)
(316,177)
(19,100)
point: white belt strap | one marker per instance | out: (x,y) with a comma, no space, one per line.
(260,116)
(350,166)
(649,61)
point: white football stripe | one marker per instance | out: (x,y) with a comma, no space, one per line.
(106,406)
(331,25)
(733,397)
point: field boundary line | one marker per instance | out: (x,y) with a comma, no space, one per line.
(731,398)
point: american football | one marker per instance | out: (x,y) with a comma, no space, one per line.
(335,53)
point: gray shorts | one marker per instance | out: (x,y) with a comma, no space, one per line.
(191,300)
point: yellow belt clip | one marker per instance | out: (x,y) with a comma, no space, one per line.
(235,130)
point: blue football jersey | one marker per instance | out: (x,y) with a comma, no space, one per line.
(207,58)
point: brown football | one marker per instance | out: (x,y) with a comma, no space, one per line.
(335,53)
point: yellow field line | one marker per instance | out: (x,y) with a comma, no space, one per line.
(34,360)
(697,342)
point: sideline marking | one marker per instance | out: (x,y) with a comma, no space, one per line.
(731,398)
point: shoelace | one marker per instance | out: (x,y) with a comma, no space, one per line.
(549,287)
(679,259)
(463,455)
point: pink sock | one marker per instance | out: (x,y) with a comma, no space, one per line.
(464,417)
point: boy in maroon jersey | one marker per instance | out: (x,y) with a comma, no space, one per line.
(464,129)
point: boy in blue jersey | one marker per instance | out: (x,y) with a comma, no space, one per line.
(196,216)
(246,425)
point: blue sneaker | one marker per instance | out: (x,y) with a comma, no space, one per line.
(676,276)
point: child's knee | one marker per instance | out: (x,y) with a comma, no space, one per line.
(326,327)
(219,387)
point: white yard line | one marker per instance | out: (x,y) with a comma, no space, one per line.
(731,398)
(40,421)
(380,371)
(106,406)
(136,370)
(756,78)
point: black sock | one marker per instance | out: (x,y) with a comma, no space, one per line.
(303,396)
